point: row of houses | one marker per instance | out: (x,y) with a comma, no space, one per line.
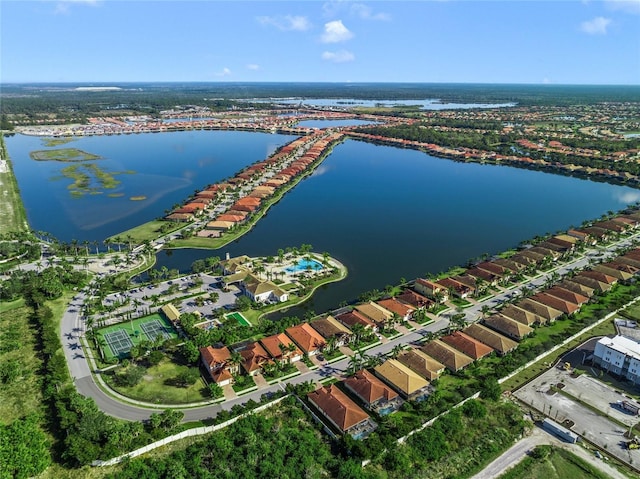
(239,212)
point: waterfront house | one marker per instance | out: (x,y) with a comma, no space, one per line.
(414,299)
(262,291)
(421,363)
(375,313)
(375,394)
(509,327)
(330,327)
(583,236)
(509,264)
(452,359)
(232,265)
(501,344)
(281,348)
(351,318)
(340,411)
(408,383)
(601,235)
(431,289)
(307,338)
(218,225)
(217,363)
(404,311)
(467,345)
(454,287)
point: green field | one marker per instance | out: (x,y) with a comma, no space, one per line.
(12,213)
(134,330)
(559,464)
(63,154)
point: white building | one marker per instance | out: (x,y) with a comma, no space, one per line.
(619,355)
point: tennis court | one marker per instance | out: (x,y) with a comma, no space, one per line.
(154,329)
(119,342)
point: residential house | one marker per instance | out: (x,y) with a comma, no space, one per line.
(431,289)
(594,279)
(375,394)
(375,313)
(421,363)
(217,363)
(545,311)
(582,236)
(340,411)
(521,315)
(232,265)
(578,288)
(501,344)
(307,338)
(509,327)
(351,318)
(330,327)
(254,357)
(409,384)
(452,359)
(554,302)
(509,264)
(281,348)
(404,311)
(455,287)
(414,299)
(567,295)
(467,345)
(620,271)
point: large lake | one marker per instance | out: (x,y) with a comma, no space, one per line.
(388,213)
(168,168)
(385,212)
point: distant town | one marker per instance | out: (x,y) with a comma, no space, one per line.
(515,357)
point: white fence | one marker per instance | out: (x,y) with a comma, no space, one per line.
(198,431)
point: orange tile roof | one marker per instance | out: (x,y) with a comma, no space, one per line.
(468,345)
(369,388)
(337,407)
(307,338)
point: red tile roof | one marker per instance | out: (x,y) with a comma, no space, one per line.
(369,388)
(337,407)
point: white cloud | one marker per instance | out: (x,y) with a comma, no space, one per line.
(627,6)
(225,72)
(64,6)
(333,8)
(364,11)
(597,26)
(341,56)
(287,22)
(253,66)
(336,32)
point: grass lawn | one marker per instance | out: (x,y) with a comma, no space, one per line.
(149,231)
(242,382)
(156,387)
(560,464)
(12,213)
(21,395)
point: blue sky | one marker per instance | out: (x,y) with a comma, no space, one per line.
(545,41)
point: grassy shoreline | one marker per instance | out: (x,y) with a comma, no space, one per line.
(13,216)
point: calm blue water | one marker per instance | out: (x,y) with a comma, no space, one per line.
(388,213)
(333,123)
(168,168)
(303,265)
(427,104)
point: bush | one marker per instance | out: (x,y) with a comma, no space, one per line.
(474,409)
(130,376)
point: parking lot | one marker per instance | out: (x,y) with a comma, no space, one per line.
(601,423)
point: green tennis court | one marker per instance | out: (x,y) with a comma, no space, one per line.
(118,339)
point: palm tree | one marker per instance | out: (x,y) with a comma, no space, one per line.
(397,349)
(485,310)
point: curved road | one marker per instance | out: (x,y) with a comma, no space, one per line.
(72,328)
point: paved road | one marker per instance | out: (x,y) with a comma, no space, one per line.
(72,325)
(519,450)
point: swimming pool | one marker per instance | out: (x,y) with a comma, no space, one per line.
(305,265)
